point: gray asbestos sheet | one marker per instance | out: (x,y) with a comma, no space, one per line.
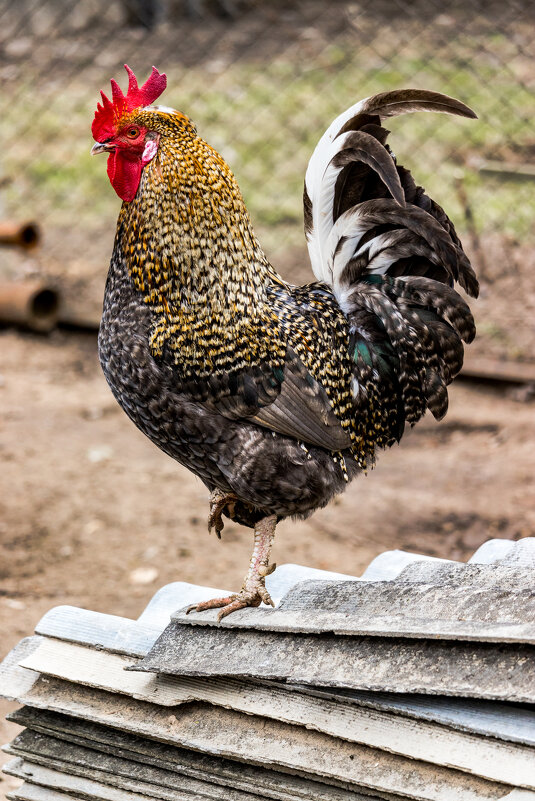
(428,600)
(389,564)
(479,670)
(59,782)
(491,719)
(116,771)
(278,746)
(116,634)
(492,551)
(426,741)
(14,680)
(32,792)
(521,554)
(193,764)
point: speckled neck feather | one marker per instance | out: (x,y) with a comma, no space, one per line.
(205,269)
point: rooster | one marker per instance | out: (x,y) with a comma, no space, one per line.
(275,395)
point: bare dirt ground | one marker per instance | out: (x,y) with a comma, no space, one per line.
(92,514)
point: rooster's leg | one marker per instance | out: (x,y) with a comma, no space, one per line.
(253,590)
(218,501)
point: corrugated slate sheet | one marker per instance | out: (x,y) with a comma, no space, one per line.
(416,680)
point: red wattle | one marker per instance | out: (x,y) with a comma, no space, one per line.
(124,174)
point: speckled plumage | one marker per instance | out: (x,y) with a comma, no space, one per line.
(276,394)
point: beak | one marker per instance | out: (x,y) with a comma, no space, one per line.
(102,147)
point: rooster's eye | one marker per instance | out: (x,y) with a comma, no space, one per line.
(132,133)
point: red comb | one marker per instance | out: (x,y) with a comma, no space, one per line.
(108,114)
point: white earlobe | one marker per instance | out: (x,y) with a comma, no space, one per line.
(149,152)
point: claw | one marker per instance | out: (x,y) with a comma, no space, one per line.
(218,501)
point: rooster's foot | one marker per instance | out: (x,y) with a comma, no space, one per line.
(253,590)
(247,596)
(218,502)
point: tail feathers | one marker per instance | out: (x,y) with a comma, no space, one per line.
(358,245)
(366,115)
(392,257)
(424,328)
(352,166)
(416,196)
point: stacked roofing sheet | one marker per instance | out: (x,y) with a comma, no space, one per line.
(415,681)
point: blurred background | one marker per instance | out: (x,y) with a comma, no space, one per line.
(262,81)
(90,512)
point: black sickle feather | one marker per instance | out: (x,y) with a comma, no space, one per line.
(402,101)
(364,148)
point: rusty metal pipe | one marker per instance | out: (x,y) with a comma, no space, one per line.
(31,304)
(22,235)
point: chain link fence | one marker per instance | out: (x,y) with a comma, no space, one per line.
(262,81)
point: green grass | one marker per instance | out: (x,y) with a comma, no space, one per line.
(266,118)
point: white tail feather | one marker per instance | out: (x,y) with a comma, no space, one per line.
(320,181)
(322,235)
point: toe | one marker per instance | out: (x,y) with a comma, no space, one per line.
(232,603)
(214,603)
(237,603)
(215,521)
